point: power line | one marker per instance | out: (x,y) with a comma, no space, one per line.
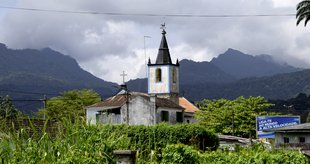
(24,105)
(26,92)
(148,14)
(60,96)
(26,99)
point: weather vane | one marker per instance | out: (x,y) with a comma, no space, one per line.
(163,26)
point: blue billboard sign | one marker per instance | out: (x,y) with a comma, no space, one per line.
(272,122)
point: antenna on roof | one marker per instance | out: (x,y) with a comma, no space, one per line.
(145,55)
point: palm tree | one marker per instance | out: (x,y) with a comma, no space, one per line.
(303,11)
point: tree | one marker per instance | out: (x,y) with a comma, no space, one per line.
(308,118)
(303,11)
(232,117)
(71,104)
(7,109)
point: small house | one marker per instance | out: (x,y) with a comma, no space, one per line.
(135,108)
(295,136)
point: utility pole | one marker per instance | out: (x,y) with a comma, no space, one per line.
(127,106)
(145,54)
(233,123)
(127,96)
(44,105)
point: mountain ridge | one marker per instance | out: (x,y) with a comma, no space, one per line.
(48,71)
(26,72)
(241,65)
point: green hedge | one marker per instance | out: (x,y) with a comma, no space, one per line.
(151,139)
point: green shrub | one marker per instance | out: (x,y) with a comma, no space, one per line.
(257,154)
(180,153)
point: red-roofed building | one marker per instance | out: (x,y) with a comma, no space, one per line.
(189,110)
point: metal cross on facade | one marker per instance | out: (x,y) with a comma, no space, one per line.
(123,74)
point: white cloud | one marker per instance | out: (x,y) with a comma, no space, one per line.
(107,45)
(285,3)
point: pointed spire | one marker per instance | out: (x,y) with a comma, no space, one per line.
(177,63)
(163,56)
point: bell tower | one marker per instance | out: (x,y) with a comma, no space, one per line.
(163,75)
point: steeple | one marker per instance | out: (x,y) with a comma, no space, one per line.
(163,56)
(163,76)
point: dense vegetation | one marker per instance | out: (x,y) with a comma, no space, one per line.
(79,143)
(7,109)
(255,154)
(299,105)
(70,104)
(235,117)
(65,140)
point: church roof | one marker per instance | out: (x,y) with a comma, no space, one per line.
(163,56)
(120,100)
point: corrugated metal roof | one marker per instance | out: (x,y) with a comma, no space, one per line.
(120,100)
(117,101)
(292,128)
(188,106)
(162,102)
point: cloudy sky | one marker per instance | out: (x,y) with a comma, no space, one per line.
(106,45)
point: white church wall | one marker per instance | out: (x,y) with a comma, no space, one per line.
(158,87)
(141,112)
(172,114)
(189,117)
(174,83)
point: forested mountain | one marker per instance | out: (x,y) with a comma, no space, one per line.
(29,73)
(191,72)
(241,65)
(44,64)
(24,74)
(282,86)
(234,74)
(202,72)
(299,105)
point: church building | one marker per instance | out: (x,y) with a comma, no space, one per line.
(160,104)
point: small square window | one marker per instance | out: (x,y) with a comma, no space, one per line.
(286,140)
(165,116)
(302,139)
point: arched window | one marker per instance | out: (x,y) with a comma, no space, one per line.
(174,75)
(158,75)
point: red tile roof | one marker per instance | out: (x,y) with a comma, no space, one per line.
(188,106)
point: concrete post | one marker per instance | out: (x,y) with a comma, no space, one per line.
(125,156)
(153,107)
